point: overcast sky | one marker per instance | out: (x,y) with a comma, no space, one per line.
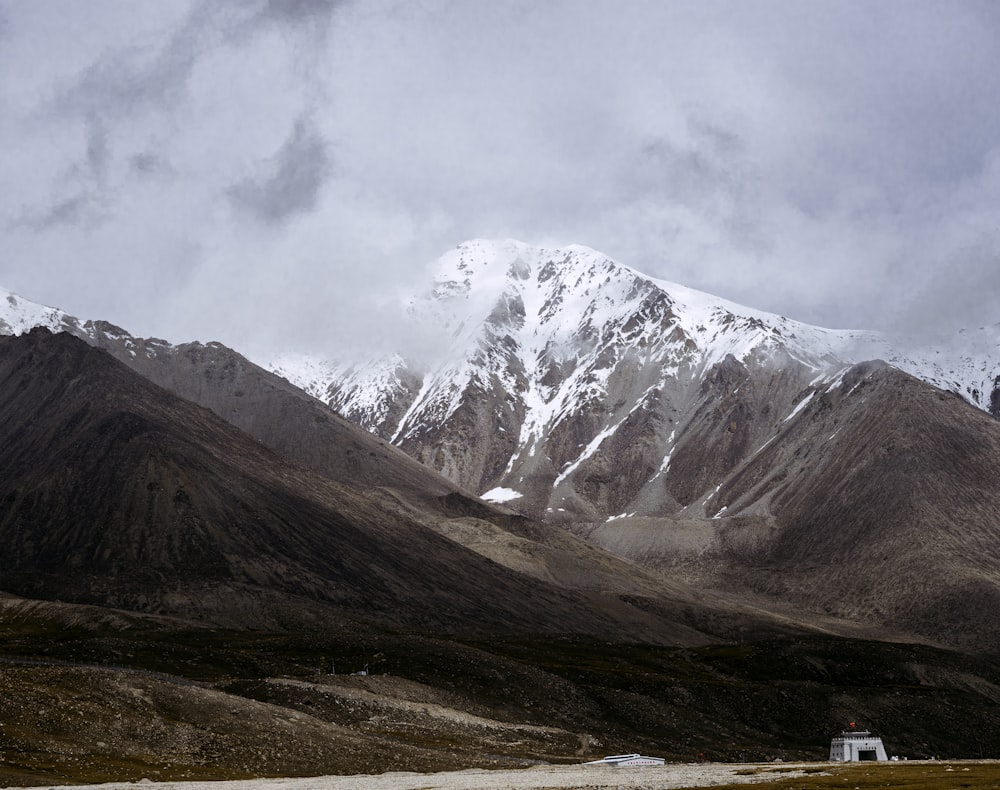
(273,173)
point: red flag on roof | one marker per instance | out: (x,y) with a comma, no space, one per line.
(852,724)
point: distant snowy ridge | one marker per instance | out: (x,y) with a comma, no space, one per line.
(18,315)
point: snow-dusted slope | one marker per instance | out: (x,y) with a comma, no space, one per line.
(568,382)
(967,363)
(18,316)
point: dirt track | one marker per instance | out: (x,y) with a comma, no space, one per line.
(572,777)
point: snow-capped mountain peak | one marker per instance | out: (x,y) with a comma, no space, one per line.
(550,359)
(561,291)
(18,315)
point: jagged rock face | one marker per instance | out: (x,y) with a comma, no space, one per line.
(577,389)
(581,388)
(994,408)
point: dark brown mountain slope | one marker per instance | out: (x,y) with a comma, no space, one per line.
(302,428)
(886,501)
(115,492)
(276,413)
(878,501)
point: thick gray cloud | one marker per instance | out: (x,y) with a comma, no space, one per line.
(277,172)
(291,180)
(312,13)
(958,294)
(73,210)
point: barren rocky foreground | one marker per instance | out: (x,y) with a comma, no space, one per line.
(563,777)
(905,775)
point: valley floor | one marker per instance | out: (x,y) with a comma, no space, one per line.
(555,777)
(925,775)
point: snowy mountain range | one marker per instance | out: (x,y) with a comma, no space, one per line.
(559,366)
(741,451)
(570,385)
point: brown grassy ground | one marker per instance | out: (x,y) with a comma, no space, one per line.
(922,775)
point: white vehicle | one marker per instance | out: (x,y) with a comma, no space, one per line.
(627,760)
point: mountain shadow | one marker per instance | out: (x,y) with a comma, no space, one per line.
(118,493)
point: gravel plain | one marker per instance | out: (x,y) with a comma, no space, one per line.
(672,776)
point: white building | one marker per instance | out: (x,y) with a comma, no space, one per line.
(856,745)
